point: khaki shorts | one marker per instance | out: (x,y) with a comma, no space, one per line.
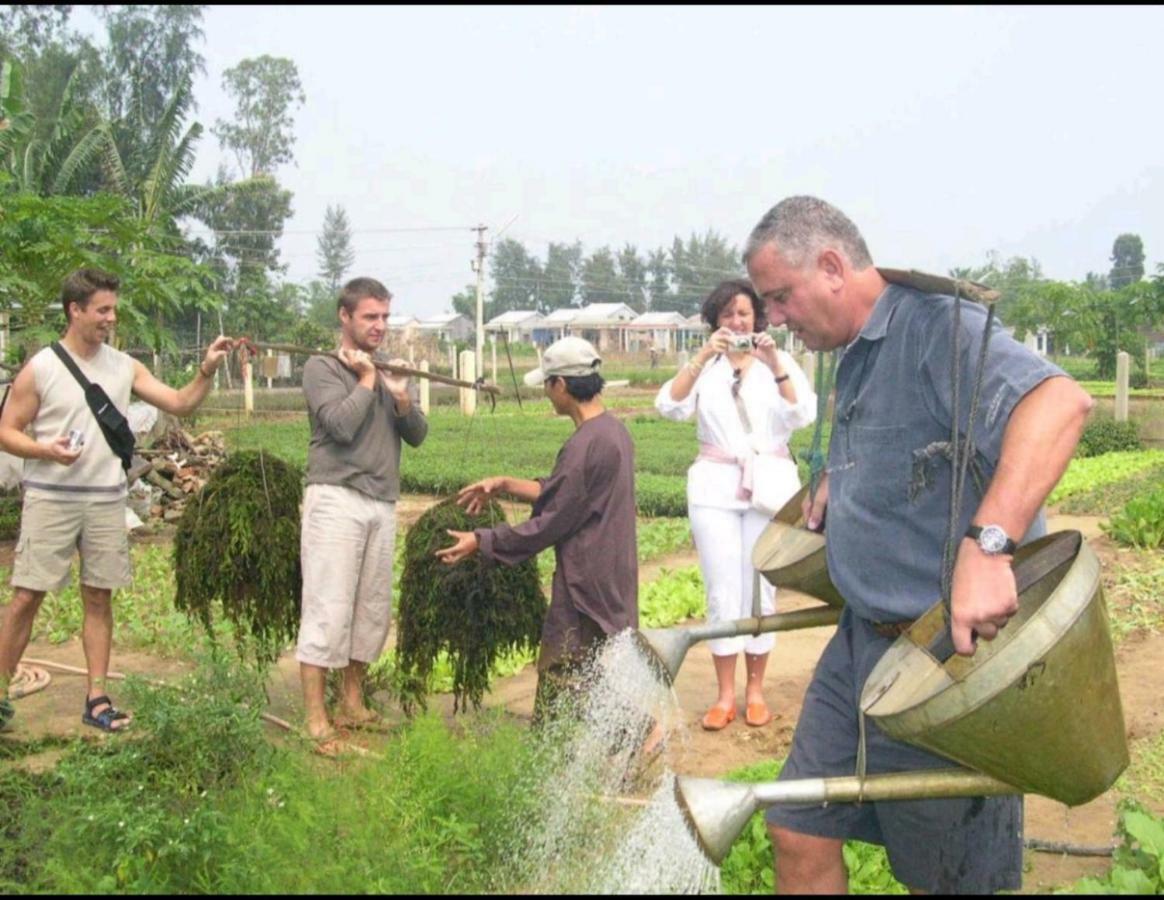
(346,549)
(53,531)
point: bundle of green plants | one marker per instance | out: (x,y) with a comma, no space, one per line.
(474,611)
(1140,523)
(1102,435)
(238,543)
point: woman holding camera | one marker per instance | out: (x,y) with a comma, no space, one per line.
(748,397)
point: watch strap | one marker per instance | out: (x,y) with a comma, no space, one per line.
(975,532)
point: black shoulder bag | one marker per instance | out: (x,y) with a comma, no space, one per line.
(113,424)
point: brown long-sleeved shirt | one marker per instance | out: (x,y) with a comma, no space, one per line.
(355,432)
(586,512)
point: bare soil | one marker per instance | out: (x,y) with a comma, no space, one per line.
(1139,660)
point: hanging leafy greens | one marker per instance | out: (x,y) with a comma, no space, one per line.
(472,610)
(238,542)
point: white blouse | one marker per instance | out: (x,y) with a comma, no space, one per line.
(773,419)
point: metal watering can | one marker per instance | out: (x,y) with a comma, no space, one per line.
(790,556)
(1036,710)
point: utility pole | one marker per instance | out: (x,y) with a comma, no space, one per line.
(479,268)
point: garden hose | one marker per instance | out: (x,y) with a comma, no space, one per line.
(27,680)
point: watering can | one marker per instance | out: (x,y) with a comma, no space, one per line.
(1036,710)
(790,556)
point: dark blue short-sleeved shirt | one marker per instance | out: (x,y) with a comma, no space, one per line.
(889,499)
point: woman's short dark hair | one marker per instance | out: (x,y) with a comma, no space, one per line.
(582,387)
(727,291)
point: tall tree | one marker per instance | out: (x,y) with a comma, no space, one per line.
(49,150)
(632,272)
(335,253)
(516,277)
(659,288)
(1127,261)
(560,276)
(27,29)
(152,57)
(266,91)
(600,281)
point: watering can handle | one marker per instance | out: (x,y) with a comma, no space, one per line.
(1027,572)
(942,646)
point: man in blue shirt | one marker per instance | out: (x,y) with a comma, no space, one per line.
(888,502)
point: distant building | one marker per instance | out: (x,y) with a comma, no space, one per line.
(403,326)
(516,325)
(447,327)
(659,329)
(603,324)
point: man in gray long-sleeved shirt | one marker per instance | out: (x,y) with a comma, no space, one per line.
(358,417)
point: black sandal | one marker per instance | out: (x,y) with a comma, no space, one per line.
(7,713)
(104,719)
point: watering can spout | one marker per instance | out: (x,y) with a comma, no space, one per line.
(664,648)
(716,811)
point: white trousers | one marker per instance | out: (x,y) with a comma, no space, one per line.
(724,539)
(346,548)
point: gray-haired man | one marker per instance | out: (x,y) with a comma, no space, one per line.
(810,264)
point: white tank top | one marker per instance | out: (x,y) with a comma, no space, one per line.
(97,473)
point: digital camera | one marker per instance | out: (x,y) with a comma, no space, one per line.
(76,439)
(740,342)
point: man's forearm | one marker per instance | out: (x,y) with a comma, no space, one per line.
(522,488)
(1037,446)
(20,444)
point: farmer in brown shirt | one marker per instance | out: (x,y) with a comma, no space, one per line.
(585,510)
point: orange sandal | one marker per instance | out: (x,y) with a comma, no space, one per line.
(717,717)
(758,714)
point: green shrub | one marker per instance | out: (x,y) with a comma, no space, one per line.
(1140,523)
(1138,863)
(1108,436)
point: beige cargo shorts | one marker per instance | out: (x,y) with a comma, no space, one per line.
(52,532)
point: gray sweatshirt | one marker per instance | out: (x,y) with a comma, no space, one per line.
(355,432)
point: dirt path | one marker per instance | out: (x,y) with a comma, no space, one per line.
(1139,659)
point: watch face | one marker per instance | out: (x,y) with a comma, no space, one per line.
(993,539)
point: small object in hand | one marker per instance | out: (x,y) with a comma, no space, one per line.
(76,440)
(741,342)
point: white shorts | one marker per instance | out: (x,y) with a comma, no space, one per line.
(346,550)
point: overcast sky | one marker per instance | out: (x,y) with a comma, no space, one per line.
(943,132)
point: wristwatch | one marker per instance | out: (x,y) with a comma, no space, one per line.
(992,540)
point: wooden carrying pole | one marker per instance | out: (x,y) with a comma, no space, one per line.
(395,370)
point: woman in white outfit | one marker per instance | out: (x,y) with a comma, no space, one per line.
(729,372)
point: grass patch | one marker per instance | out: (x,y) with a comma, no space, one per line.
(198,801)
(1143,779)
(1135,593)
(1088,475)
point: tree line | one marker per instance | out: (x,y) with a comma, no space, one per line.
(98,139)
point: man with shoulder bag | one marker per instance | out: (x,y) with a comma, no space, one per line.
(72,397)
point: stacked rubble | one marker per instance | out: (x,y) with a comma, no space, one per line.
(181,465)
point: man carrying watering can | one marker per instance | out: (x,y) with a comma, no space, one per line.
(888,505)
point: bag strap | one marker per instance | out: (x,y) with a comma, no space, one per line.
(70,364)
